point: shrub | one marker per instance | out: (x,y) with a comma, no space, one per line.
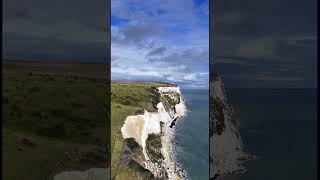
(153,147)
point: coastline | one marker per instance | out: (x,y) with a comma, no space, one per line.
(161,123)
(171,149)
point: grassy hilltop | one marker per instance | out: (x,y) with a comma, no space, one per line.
(130,98)
(54,118)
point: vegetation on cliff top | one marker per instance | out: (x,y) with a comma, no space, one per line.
(170,102)
(214,77)
(54,118)
(153,147)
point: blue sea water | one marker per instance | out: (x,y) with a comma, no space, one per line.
(192,135)
(280,127)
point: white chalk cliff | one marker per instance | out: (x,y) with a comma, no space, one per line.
(161,123)
(227,152)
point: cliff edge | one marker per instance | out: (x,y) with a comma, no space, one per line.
(227,152)
(144,143)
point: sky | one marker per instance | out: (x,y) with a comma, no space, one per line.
(264,44)
(160,40)
(268,43)
(59,30)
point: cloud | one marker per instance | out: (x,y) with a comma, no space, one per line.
(251,37)
(304,41)
(277,78)
(139,34)
(166,42)
(184,55)
(157,51)
(257,48)
(56,30)
(190,77)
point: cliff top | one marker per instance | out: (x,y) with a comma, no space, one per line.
(59,69)
(143,83)
(214,77)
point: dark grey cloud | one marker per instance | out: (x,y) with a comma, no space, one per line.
(187,56)
(75,30)
(264,43)
(157,51)
(139,34)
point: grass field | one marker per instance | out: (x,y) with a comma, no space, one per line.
(54,118)
(129,98)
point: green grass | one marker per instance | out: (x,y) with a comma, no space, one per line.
(57,109)
(43,159)
(55,119)
(61,112)
(168,102)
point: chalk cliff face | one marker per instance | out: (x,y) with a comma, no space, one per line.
(227,151)
(154,132)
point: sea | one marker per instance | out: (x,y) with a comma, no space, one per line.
(192,135)
(279,126)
